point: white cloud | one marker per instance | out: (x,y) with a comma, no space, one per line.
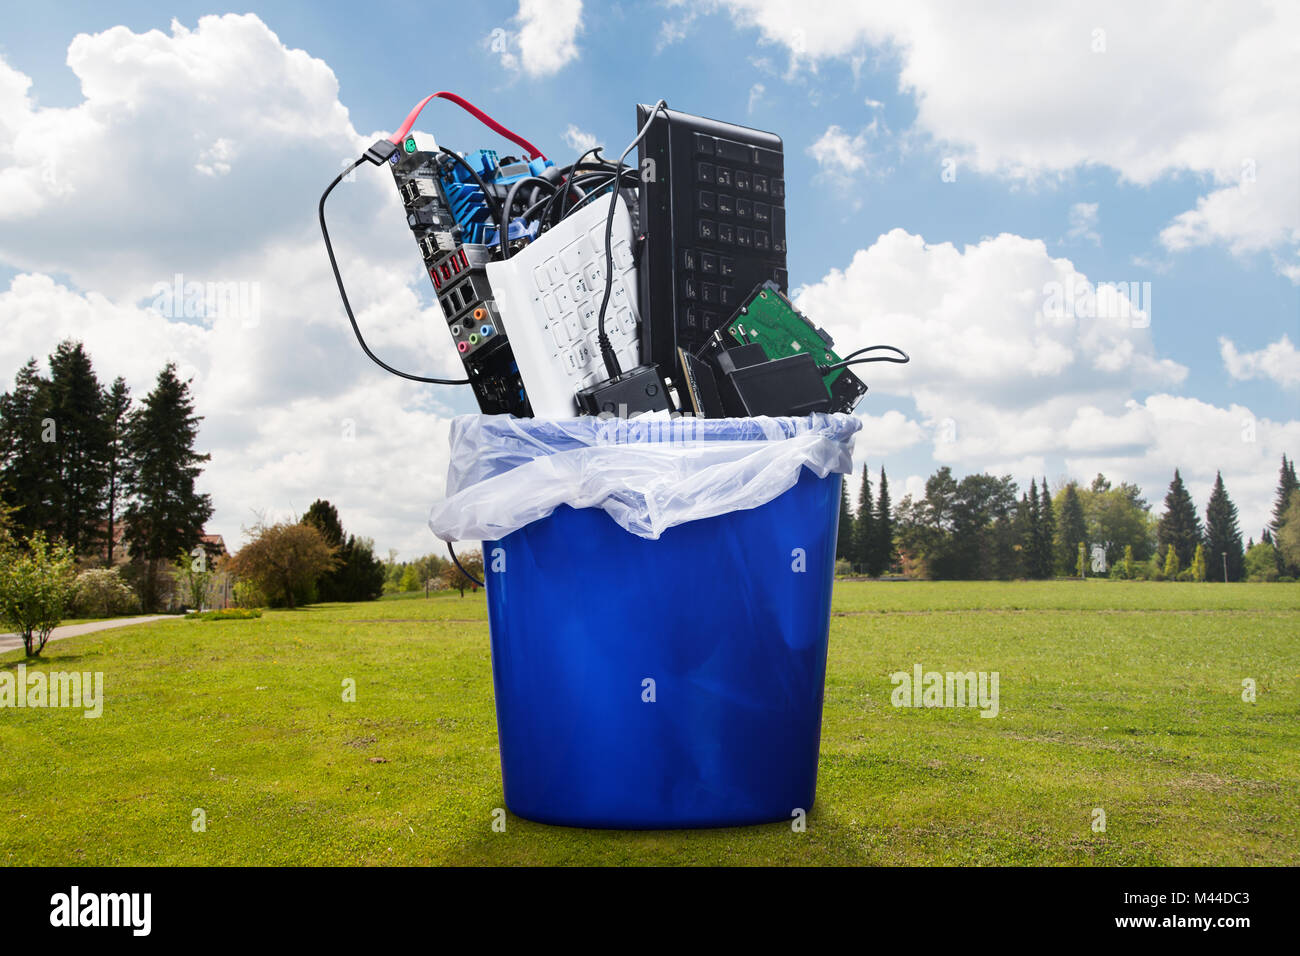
(1000,382)
(1083,222)
(756,95)
(1279,361)
(839,153)
(1140,87)
(579,140)
(546,39)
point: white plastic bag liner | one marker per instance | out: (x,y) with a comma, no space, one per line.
(648,473)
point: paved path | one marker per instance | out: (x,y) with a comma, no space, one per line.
(10,641)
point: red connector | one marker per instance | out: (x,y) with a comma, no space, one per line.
(396,138)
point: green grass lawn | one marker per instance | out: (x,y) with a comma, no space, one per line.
(1119,696)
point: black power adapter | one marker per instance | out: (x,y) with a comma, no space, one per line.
(629,393)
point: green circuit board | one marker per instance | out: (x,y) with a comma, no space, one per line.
(769,320)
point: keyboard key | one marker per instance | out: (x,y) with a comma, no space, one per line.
(723,176)
(578,286)
(735,152)
(569,361)
(726,267)
(744,209)
(554,270)
(703,144)
(707,229)
(688,260)
(760,184)
(769,158)
(778,189)
(742,180)
(689,289)
(563,298)
(540,277)
(704,172)
(571,326)
(590,316)
(706,201)
(708,263)
(574,254)
(762,212)
(627,321)
(623,254)
(725,296)
(726,205)
(760,239)
(726,233)
(744,237)
(708,293)
(559,334)
(595,274)
(548,303)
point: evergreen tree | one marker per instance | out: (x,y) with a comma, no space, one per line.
(166,514)
(1223,536)
(1046,533)
(1180,527)
(117,410)
(882,551)
(1071,530)
(1021,532)
(864,531)
(358,575)
(1033,540)
(81,447)
(1171,564)
(844,540)
(28,465)
(1198,563)
(1286,485)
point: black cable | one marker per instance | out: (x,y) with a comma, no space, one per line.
(347,306)
(510,205)
(606,349)
(851,360)
(452,551)
(606,180)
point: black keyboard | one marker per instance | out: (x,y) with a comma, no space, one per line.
(712,209)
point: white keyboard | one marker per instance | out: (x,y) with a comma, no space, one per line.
(549,296)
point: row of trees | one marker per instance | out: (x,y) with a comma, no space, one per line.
(866,539)
(983,527)
(78,459)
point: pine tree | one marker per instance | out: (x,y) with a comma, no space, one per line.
(117,410)
(1171,564)
(1046,533)
(882,552)
(1033,540)
(1198,563)
(864,531)
(1180,527)
(28,456)
(1286,485)
(844,540)
(81,448)
(1071,530)
(1223,536)
(166,514)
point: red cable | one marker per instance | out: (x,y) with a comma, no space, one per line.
(396,138)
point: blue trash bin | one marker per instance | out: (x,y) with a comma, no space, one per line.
(677,682)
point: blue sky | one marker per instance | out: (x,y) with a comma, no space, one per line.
(1084,160)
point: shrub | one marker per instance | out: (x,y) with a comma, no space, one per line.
(35,589)
(247,595)
(102,592)
(227,614)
